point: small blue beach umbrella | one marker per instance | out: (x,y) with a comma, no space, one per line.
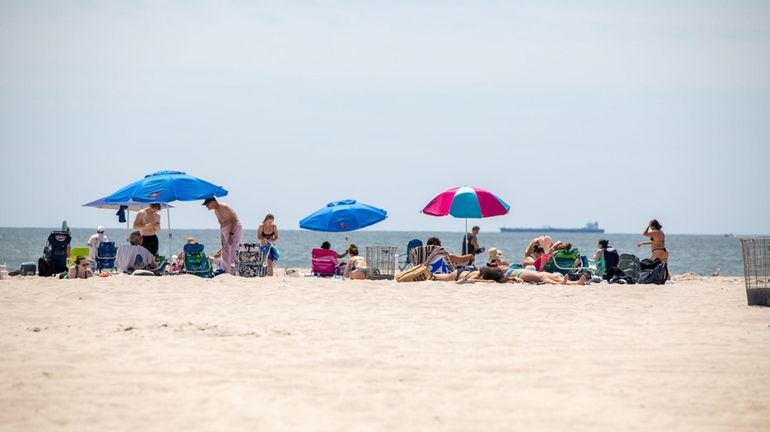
(343,216)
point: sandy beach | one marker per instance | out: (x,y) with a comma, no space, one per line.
(289,353)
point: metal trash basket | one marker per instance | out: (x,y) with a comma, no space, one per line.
(756,268)
(381,261)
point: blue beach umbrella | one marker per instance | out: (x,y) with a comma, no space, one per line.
(165,187)
(343,216)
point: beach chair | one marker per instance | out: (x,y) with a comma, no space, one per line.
(414,243)
(105,256)
(252,260)
(75,252)
(630,265)
(324,263)
(440,264)
(564,261)
(606,264)
(54,258)
(196,262)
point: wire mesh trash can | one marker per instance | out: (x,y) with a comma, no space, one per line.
(381,261)
(756,268)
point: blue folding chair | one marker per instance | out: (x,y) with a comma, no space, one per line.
(106,254)
(414,243)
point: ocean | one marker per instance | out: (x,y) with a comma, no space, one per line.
(701,254)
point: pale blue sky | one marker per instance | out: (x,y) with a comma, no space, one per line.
(570,111)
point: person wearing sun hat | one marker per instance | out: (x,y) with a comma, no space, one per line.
(495,258)
(95,240)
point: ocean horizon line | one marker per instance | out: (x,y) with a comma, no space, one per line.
(497,230)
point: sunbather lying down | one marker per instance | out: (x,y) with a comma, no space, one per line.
(491,274)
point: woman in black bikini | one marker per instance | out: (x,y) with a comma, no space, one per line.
(267,235)
(657,241)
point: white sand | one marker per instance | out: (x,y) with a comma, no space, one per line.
(183,353)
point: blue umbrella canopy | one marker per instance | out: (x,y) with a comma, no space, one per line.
(128,205)
(341,216)
(166,186)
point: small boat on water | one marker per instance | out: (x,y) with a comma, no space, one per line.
(590,227)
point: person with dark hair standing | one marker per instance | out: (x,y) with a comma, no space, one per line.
(471,242)
(657,241)
(147,222)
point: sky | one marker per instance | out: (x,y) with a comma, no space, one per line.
(618,112)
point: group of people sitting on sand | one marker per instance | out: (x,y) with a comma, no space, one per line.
(444,265)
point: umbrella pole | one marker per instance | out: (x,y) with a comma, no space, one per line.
(465,237)
(168,215)
(128,220)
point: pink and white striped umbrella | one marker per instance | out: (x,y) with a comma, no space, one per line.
(466,202)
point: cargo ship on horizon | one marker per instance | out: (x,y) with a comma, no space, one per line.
(590,227)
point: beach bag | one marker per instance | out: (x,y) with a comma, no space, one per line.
(44,267)
(653,272)
(417,273)
(575,274)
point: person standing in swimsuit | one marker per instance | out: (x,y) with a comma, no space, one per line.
(147,222)
(657,241)
(231,232)
(267,235)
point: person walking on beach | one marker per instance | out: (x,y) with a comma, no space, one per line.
(95,240)
(231,231)
(147,222)
(267,235)
(657,241)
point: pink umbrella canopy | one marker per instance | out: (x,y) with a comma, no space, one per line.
(467,202)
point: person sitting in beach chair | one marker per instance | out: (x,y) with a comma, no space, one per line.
(134,256)
(442,262)
(196,262)
(605,260)
(324,261)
